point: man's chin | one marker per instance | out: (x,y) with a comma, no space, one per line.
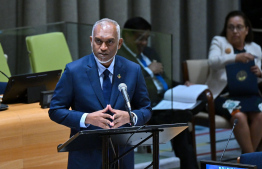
(104,59)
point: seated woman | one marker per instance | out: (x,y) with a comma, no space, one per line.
(235,45)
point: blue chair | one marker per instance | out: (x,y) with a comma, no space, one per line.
(254,158)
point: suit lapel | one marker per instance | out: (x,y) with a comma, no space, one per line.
(92,74)
(119,77)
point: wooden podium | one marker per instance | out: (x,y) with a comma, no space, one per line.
(128,136)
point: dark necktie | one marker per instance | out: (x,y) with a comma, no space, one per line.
(159,77)
(107,86)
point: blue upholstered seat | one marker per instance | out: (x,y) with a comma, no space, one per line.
(252,158)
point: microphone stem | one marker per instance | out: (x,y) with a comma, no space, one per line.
(228,141)
(130,116)
(123,89)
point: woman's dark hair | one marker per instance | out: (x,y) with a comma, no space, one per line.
(137,23)
(249,37)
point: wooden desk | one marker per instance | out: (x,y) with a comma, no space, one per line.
(29,139)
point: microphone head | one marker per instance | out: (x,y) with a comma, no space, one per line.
(122,86)
(235,121)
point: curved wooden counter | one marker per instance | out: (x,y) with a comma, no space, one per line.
(29,139)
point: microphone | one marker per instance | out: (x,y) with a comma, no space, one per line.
(235,122)
(123,89)
(4,74)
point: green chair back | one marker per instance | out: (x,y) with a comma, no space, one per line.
(48,51)
(3,66)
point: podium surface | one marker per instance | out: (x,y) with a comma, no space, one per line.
(121,136)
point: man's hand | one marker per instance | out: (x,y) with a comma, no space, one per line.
(188,83)
(156,67)
(100,118)
(119,118)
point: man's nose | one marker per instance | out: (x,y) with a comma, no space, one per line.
(103,46)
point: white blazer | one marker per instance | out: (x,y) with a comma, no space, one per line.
(221,53)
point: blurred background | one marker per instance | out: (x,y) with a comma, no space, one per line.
(187,26)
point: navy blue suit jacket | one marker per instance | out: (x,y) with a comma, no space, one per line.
(79,89)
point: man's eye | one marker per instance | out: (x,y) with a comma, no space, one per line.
(98,41)
(110,41)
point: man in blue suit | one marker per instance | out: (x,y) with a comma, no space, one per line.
(95,105)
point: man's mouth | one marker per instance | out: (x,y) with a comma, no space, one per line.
(103,54)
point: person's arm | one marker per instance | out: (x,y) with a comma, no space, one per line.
(257,52)
(83,121)
(218,58)
(63,99)
(255,69)
(61,102)
(156,67)
(140,101)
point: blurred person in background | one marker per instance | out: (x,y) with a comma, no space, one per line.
(235,44)
(135,47)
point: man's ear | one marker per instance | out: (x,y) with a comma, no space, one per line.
(120,42)
(90,37)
